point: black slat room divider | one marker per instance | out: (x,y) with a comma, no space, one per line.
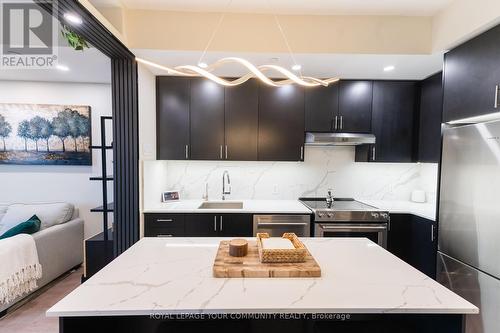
(125,121)
(126,154)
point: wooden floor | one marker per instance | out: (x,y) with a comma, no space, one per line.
(30,317)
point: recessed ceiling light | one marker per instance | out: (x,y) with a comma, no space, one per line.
(389,68)
(72,18)
(296,67)
(62,68)
(202,65)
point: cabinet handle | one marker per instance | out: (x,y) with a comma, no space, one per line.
(432,233)
(215,223)
(220,223)
(373,153)
(221,152)
(341,122)
(164,220)
(290,224)
(336,126)
(301,153)
(186,150)
(169,235)
(496,96)
(226,152)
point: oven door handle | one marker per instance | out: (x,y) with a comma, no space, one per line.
(353,228)
(263,224)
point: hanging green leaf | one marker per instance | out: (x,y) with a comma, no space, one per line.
(76,41)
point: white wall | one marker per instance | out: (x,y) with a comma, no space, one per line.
(322,169)
(23,183)
(462,20)
(147,113)
(147,127)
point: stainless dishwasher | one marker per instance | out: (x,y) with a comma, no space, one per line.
(277,225)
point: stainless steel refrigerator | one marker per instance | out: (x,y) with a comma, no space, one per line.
(469,220)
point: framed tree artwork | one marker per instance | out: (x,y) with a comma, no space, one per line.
(45,134)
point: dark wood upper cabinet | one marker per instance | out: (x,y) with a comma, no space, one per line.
(355,106)
(471,76)
(431,107)
(241,121)
(207,120)
(394,104)
(172,118)
(281,123)
(321,107)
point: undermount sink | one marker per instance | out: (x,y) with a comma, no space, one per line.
(221,205)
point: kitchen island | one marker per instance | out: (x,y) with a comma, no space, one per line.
(163,284)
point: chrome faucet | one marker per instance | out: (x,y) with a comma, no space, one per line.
(205,196)
(224,191)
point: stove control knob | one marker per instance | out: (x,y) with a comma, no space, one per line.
(384,215)
(330,215)
(320,215)
(375,215)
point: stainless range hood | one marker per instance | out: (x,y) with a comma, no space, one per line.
(338,139)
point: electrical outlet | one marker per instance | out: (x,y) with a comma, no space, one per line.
(275,189)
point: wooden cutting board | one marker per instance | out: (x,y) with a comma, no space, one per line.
(250,266)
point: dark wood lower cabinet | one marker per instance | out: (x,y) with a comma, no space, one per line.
(236,225)
(413,239)
(164,225)
(98,253)
(202,225)
(198,225)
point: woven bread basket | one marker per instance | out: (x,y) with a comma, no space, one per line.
(298,254)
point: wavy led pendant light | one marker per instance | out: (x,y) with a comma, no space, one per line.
(258,72)
(253,71)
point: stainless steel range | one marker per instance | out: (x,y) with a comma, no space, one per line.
(344,217)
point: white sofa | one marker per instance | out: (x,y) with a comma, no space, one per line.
(59,247)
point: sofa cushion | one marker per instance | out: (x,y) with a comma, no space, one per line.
(49,214)
(27,227)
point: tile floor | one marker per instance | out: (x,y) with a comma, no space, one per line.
(30,317)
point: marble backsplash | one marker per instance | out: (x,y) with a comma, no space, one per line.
(324,168)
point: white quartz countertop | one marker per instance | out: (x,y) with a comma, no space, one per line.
(249,206)
(174,276)
(426,210)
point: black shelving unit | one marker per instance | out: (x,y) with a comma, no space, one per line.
(104,178)
(99,248)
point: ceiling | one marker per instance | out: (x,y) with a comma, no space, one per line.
(295,7)
(346,66)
